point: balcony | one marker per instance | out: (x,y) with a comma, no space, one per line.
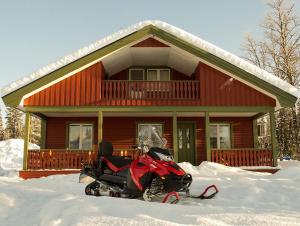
(124,92)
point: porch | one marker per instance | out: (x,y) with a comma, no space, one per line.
(119,125)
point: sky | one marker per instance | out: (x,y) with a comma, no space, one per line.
(34,33)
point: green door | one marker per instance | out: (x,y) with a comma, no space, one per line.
(186,142)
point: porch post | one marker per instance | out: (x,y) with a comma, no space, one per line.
(100,125)
(26,139)
(175,137)
(255,135)
(43,133)
(273,136)
(207,137)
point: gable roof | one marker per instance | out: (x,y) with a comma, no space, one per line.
(285,93)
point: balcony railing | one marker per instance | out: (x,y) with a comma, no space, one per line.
(149,90)
(242,157)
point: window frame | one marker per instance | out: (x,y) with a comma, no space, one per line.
(136,69)
(261,130)
(218,134)
(158,70)
(81,124)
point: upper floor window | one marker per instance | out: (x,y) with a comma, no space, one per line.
(220,136)
(136,74)
(153,74)
(158,74)
(80,136)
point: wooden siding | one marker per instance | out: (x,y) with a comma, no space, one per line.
(219,89)
(82,88)
(122,75)
(150,42)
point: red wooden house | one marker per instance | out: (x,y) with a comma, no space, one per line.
(202,99)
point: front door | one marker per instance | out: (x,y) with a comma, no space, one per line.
(186,142)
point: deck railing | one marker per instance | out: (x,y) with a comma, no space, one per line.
(65,159)
(71,159)
(150,90)
(242,157)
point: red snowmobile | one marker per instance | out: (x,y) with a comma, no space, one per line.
(152,174)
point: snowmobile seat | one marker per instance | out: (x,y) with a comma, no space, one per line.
(113,162)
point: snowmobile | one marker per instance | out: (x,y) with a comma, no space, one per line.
(152,174)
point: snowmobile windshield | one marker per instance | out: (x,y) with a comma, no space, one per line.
(149,136)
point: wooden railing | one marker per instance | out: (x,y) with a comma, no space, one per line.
(150,90)
(65,159)
(242,157)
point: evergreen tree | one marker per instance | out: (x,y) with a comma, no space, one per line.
(279,54)
(14,123)
(35,135)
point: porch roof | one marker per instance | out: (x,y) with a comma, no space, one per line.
(285,93)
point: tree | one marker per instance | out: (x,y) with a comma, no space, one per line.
(279,53)
(35,135)
(14,123)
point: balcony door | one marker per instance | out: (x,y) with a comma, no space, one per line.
(186,142)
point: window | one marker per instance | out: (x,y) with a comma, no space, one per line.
(220,136)
(136,74)
(80,136)
(144,134)
(261,130)
(158,74)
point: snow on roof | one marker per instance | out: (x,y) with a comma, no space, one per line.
(194,40)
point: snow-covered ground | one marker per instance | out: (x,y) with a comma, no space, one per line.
(245,198)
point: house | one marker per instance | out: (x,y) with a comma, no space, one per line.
(202,99)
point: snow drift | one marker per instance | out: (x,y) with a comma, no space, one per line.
(11,156)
